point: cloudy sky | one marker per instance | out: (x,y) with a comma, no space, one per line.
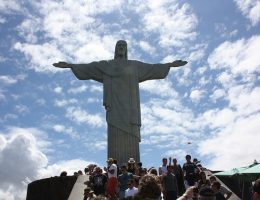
(50,121)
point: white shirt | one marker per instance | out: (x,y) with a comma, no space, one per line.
(112,167)
(131,192)
(163,170)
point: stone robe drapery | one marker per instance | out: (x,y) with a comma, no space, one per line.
(121,99)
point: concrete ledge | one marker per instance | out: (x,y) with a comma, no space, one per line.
(54,188)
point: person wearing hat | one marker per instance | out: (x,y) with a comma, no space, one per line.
(89,194)
(112,178)
(132,166)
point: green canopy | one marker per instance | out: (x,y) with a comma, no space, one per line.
(231,172)
(250,173)
(241,178)
(255,169)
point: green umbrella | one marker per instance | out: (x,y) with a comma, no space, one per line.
(231,172)
(251,173)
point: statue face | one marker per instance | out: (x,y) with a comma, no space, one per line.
(121,49)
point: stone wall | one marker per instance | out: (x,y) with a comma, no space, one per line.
(54,188)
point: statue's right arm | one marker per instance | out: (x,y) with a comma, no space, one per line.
(61,65)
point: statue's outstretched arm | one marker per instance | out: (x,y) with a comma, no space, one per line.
(61,65)
(177,63)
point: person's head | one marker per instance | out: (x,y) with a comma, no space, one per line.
(143,171)
(110,161)
(124,169)
(192,192)
(202,175)
(169,168)
(86,170)
(153,171)
(115,161)
(131,183)
(164,161)
(188,158)
(174,160)
(139,164)
(131,163)
(149,187)
(206,194)
(64,173)
(256,190)
(91,193)
(80,172)
(212,179)
(98,170)
(121,49)
(215,186)
(86,191)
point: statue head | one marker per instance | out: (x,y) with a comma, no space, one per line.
(121,49)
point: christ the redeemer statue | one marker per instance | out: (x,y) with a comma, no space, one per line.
(121,78)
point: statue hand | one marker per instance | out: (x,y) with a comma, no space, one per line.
(178,63)
(61,65)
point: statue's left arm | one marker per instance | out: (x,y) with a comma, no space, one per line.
(156,71)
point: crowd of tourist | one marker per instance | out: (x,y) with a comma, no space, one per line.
(169,182)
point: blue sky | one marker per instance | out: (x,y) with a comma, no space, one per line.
(50,121)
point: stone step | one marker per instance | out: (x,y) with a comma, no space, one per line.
(77,192)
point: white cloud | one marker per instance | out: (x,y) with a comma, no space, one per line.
(29,28)
(251,9)
(166,123)
(22,109)
(93,100)
(234,146)
(97,145)
(222,29)
(218,118)
(234,127)
(174,23)
(41,56)
(162,88)
(67,130)
(70,166)
(240,57)
(41,102)
(21,151)
(64,102)
(58,89)
(79,115)
(145,46)
(176,154)
(196,53)
(96,88)
(196,95)
(77,90)
(10,6)
(22,155)
(7,80)
(244,99)
(217,94)
(78,33)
